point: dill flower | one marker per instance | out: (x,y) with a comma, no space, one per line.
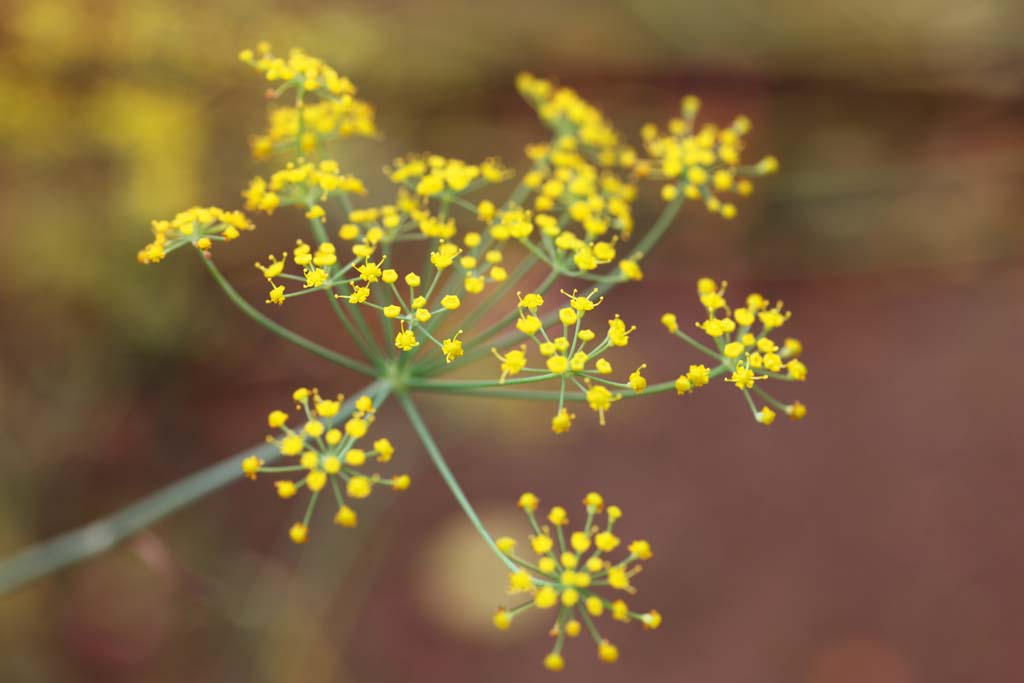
(199,226)
(326,456)
(568,357)
(574,576)
(566,113)
(744,349)
(337,112)
(319,269)
(701,163)
(306,185)
(432,175)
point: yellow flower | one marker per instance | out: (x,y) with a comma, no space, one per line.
(251,466)
(334,112)
(511,363)
(637,382)
(406,339)
(452,347)
(562,421)
(299,533)
(600,400)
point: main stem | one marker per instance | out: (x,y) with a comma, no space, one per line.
(442,467)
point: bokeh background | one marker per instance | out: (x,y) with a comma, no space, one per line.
(880,540)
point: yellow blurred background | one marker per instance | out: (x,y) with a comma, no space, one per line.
(878,541)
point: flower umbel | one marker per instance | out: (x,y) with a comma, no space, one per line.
(568,223)
(575,576)
(199,226)
(701,163)
(327,455)
(568,358)
(744,349)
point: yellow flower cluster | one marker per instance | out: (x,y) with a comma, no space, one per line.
(320,271)
(413,312)
(310,126)
(597,201)
(386,223)
(306,185)
(327,455)
(306,127)
(567,574)
(743,348)
(573,178)
(432,175)
(701,163)
(568,114)
(199,226)
(567,358)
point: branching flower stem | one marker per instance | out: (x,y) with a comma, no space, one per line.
(282,331)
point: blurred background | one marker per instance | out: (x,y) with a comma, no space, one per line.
(879,540)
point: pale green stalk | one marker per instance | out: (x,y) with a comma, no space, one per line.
(92,539)
(281,330)
(442,468)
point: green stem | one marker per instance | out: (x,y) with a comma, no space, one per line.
(651,238)
(366,346)
(700,347)
(281,330)
(442,467)
(69,548)
(363,338)
(478,348)
(494,390)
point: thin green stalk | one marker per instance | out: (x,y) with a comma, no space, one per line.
(771,399)
(498,391)
(281,330)
(651,238)
(478,347)
(460,384)
(69,548)
(442,467)
(339,312)
(363,338)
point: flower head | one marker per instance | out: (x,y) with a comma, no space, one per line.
(743,349)
(326,453)
(573,355)
(701,163)
(199,226)
(334,112)
(575,576)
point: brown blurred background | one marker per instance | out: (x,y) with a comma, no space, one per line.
(880,540)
